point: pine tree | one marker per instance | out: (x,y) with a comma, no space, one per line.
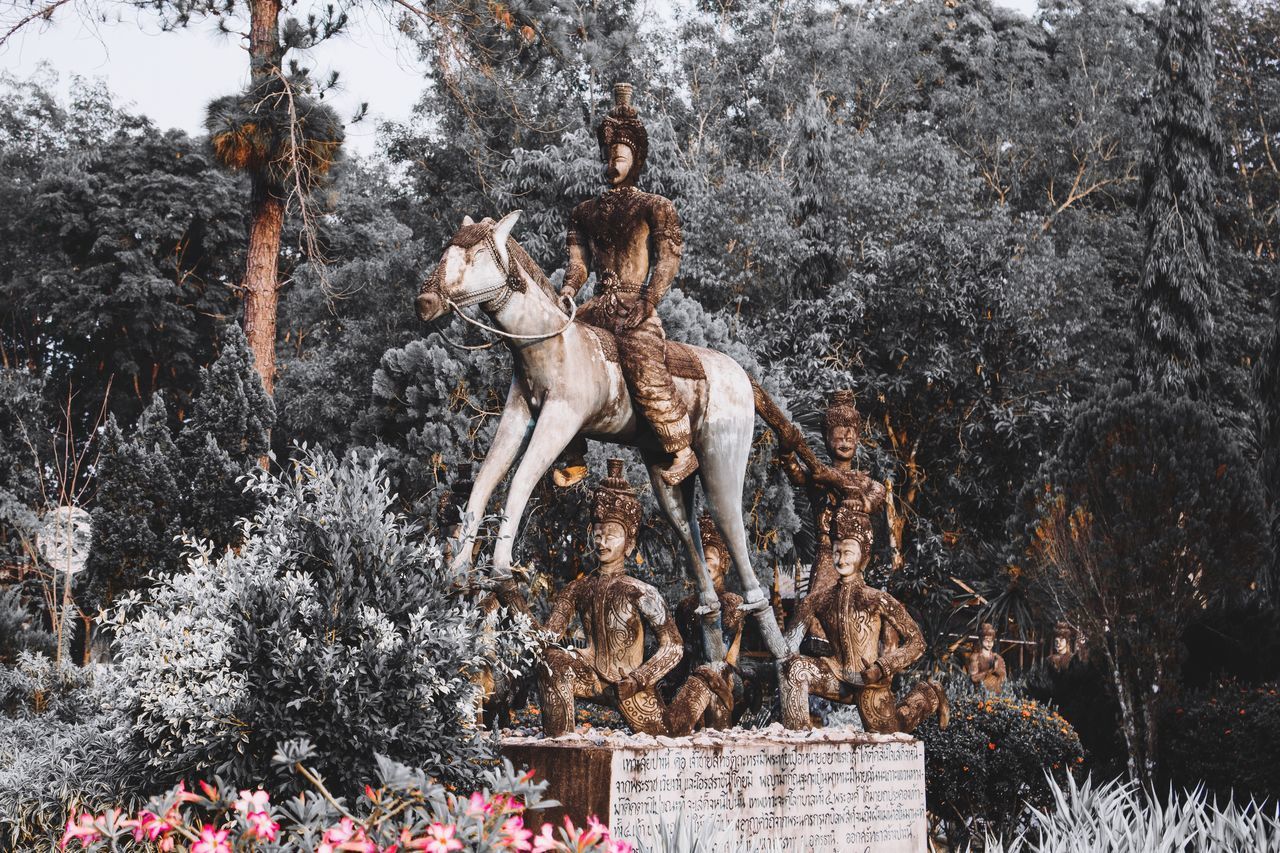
(136,510)
(227,432)
(1267,385)
(1179,283)
(232,406)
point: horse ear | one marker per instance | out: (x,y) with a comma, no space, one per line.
(467,220)
(502,232)
(503,229)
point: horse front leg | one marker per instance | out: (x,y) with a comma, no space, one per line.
(556,426)
(513,431)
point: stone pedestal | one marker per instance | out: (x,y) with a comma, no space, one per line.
(826,790)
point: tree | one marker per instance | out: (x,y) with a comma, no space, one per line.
(1267,387)
(223,439)
(1147,514)
(137,510)
(1179,284)
(115,243)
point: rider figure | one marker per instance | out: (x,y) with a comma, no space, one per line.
(633,242)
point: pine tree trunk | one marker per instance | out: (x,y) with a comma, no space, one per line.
(266,209)
(261,292)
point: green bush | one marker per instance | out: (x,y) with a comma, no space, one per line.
(335,622)
(1227,738)
(991,762)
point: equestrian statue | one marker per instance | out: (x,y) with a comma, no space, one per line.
(608,373)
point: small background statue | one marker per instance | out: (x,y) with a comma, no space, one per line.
(830,487)
(615,610)
(872,637)
(1062,654)
(986,666)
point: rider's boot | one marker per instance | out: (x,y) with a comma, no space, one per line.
(684,464)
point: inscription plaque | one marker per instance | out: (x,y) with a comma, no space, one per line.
(848,791)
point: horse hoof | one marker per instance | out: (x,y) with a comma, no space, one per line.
(754,606)
(708,609)
(569,476)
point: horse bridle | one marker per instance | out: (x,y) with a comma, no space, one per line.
(492,299)
(496,296)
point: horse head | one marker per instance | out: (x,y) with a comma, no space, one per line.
(475,269)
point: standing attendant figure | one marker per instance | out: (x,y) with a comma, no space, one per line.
(831,487)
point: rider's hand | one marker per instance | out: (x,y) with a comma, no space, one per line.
(627,688)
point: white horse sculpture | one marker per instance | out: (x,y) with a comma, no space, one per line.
(565,384)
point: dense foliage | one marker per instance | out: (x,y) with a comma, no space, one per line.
(949,207)
(999,754)
(332,622)
(1146,514)
(1225,738)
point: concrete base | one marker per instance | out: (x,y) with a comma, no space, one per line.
(826,790)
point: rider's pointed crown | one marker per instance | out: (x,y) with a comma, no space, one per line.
(623,126)
(616,501)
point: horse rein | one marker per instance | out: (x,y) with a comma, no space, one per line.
(493,299)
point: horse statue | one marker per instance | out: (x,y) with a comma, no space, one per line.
(567,383)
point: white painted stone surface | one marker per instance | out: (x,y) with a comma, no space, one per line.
(839,791)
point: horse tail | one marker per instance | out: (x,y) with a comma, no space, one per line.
(789,435)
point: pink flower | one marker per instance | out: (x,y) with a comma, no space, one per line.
(346,836)
(617,845)
(184,796)
(478,805)
(440,838)
(579,839)
(514,835)
(253,801)
(212,841)
(597,831)
(148,827)
(342,832)
(545,842)
(83,830)
(262,826)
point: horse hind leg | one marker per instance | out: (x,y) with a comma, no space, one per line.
(723,478)
(677,503)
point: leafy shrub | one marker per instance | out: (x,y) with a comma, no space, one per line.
(334,622)
(407,811)
(1227,739)
(57,719)
(992,761)
(1121,816)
